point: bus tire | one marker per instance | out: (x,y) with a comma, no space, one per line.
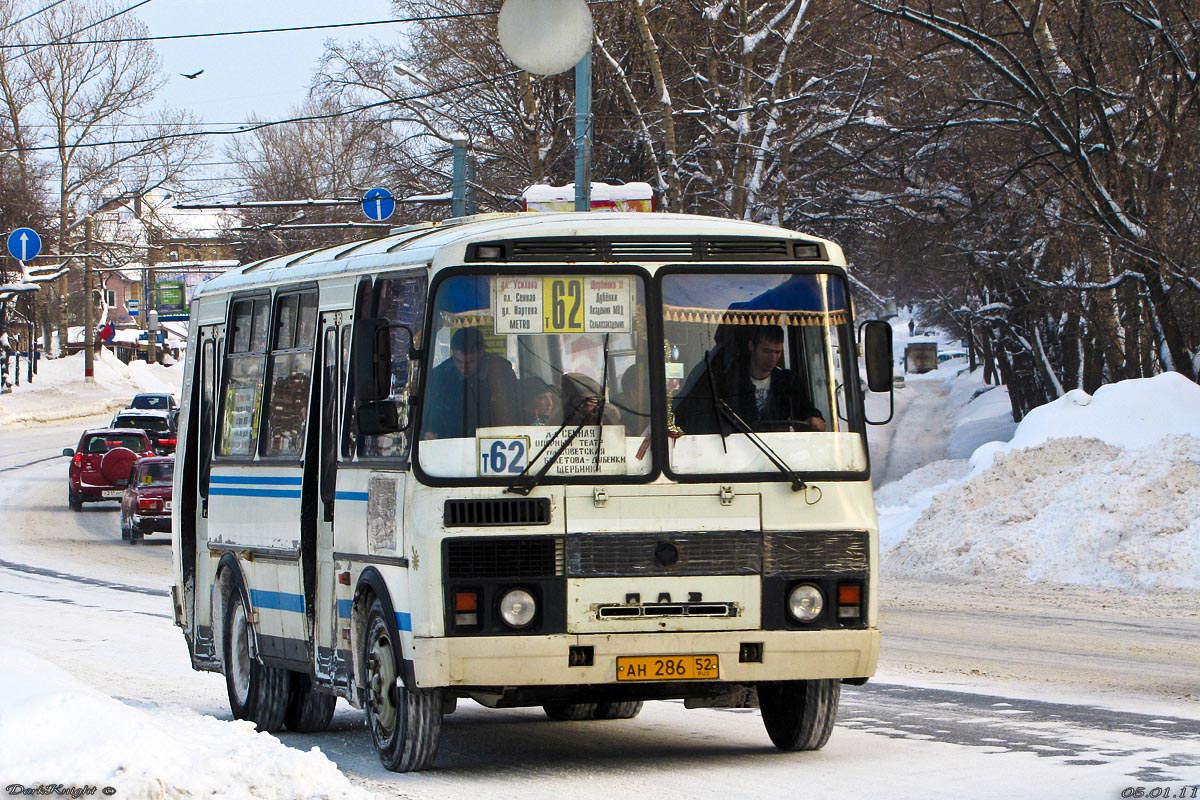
(308,711)
(569,712)
(799,715)
(257,692)
(627,709)
(405,722)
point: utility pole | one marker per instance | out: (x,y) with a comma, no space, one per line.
(151,327)
(89,344)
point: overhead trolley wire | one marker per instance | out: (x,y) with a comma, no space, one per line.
(430,18)
(250,128)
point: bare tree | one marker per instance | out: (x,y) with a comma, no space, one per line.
(90,95)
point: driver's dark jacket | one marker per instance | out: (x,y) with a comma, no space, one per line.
(787,399)
(455,406)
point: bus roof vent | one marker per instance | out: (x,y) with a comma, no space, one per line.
(490,512)
(745,247)
(549,249)
(653,249)
(555,249)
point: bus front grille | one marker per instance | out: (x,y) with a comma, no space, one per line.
(831,553)
(625,555)
(489,512)
(504,557)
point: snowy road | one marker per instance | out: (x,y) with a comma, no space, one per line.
(952,708)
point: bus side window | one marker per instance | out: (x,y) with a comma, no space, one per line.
(401,300)
(286,407)
(244,367)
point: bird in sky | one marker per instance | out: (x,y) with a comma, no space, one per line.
(193,75)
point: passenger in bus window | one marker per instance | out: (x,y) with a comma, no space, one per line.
(766,395)
(471,389)
(634,400)
(581,402)
(539,402)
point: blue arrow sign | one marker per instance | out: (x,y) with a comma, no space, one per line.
(378,204)
(24,244)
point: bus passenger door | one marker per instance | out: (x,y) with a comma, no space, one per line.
(329,666)
(196,446)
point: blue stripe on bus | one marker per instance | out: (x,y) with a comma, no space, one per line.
(238,492)
(350,496)
(251,480)
(281,601)
(403,620)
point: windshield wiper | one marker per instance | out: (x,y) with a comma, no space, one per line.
(725,413)
(523,484)
(600,407)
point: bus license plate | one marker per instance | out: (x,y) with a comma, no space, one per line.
(667,668)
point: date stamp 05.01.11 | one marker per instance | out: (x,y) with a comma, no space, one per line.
(58,790)
(1188,792)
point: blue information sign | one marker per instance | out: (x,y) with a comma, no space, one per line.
(24,244)
(378,204)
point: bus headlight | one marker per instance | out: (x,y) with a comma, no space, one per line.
(517,608)
(805,602)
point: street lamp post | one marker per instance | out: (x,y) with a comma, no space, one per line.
(89,349)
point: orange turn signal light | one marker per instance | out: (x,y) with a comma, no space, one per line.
(466,601)
(849,594)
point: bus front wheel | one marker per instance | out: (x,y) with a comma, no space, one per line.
(405,722)
(257,692)
(799,715)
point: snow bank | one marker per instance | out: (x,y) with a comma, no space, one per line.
(55,730)
(1101,489)
(59,390)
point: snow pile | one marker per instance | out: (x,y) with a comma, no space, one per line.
(55,730)
(59,390)
(1100,489)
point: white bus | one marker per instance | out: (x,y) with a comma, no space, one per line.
(575,461)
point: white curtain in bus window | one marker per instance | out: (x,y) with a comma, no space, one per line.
(245,364)
(291,374)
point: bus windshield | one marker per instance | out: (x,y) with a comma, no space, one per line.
(539,370)
(755,367)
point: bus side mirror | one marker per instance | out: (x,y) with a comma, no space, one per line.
(877,352)
(372,360)
(380,417)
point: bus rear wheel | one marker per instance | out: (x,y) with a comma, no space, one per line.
(257,692)
(405,722)
(308,711)
(627,709)
(569,712)
(799,715)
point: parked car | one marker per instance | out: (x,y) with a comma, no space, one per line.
(146,503)
(153,401)
(158,425)
(101,463)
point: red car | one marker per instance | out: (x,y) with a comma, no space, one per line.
(100,465)
(146,504)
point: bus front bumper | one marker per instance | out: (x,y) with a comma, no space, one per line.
(546,660)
